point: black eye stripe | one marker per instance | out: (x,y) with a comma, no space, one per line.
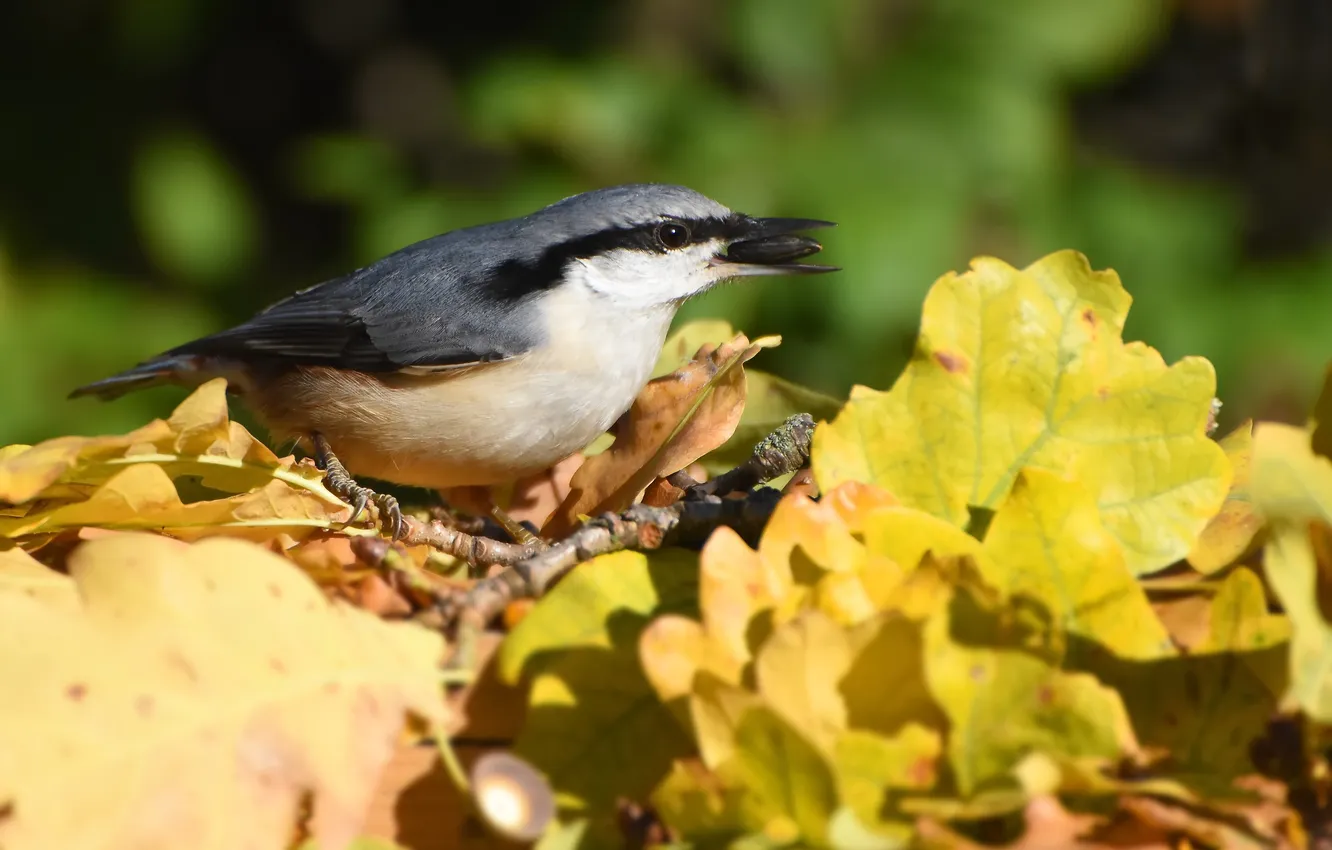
(644,237)
(515,279)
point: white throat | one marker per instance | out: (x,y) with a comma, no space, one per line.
(632,279)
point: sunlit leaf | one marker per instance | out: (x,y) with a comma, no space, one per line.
(869,766)
(605,603)
(133,481)
(199,690)
(798,670)
(1231,533)
(21,574)
(1026,369)
(1047,543)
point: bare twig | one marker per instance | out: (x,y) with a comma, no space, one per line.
(783,451)
(468,547)
(532,569)
(640,527)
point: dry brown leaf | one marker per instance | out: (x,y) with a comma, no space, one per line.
(675,420)
(1188,618)
(373,594)
(197,695)
(537,496)
(661,493)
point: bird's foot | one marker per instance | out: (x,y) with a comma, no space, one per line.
(341,484)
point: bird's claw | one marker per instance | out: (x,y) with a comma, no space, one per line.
(341,484)
(390,515)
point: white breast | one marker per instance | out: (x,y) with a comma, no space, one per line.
(488,424)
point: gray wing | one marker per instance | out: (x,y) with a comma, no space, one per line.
(410,310)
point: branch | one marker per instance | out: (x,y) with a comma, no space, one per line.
(471,548)
(686,523)
(689,522)
(780,453)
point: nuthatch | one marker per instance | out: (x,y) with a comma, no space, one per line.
(487,353)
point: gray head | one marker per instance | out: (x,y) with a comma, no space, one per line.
(646,244)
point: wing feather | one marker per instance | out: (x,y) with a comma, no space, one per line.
(407,312)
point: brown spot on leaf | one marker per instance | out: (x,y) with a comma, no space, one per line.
(274,591)
(77,691)
(954,363)
(1089,319)
(184,665)
(977,673)
(921,772)
(144,705)
(276,665)
(1045,696)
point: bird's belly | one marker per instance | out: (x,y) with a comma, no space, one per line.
(482,426)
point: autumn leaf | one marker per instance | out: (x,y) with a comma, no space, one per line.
(790,792)
(1047,543)
(145,497)
(1292,489)
(135,481)
(675,420)
(1019,369)
(798,671)
(685,341)
(1231,534)
(603,604)
(1206,708)
(769,399)
(1003,704)
(198,691)
(594,726)
(871,768)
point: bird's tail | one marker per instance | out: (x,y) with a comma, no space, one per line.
(184,369)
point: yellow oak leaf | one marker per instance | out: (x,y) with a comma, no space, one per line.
(1003,704)
(199,693)
(1232,533)
(1027,368)
(186,473)
(1047,543)
(1291,487)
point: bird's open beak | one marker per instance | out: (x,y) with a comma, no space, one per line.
(773,246)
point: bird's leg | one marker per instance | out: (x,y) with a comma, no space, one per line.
(341,484)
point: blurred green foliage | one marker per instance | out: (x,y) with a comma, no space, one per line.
(931,130)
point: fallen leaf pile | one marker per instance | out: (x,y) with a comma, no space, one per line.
(1034,604)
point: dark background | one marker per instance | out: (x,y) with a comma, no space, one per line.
(169,166)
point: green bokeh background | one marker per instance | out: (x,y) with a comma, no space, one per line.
(169,166)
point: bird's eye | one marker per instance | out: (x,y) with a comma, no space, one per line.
(672,235)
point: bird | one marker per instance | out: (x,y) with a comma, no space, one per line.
(486,353)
